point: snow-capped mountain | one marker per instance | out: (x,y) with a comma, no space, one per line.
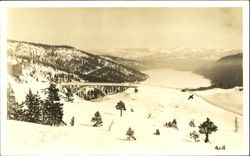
(178,58)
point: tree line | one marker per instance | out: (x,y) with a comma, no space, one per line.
(48,111)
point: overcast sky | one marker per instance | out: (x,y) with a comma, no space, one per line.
(98,28)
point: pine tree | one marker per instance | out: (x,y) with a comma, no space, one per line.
(97,119)
(194,135)
(14,110)
(52,110)
(130,133)
(34,111)
(72,121)
(207,128)
(121,106)
(52,92)
(191,123)
(174,122)
(69,95)
(47,113)
(136,90)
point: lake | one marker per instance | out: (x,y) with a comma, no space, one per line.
(175,79)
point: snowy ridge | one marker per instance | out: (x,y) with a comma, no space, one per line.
(89,67)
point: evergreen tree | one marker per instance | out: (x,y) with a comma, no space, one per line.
(53,110)
(130,133)
(52,92)
(34,111)
(72,121)
(97,119)
(136,90)
(207,128)
(14,110)
(191,123)
(69,95)
(194,135)
(121,106)
(174,122)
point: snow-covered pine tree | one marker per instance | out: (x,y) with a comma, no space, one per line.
(72,121)
(97,119)
(14,110)
(69,95)
(130,133)
(120,106)
(207,128)
(34,107)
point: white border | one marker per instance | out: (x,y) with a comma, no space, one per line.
(243,4)
(125,4)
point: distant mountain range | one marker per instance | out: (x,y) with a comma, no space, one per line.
(89,67)
(173,57)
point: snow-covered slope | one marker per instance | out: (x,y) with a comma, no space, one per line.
(228,99)
(162,103)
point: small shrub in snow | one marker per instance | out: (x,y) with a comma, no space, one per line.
(194,135)
(157,132)
(120,106)
(136,90)
(130,133)
(192,124)
(97,119)
(149,115)
(172,124)
(72,121)
(207,128)
(131,110)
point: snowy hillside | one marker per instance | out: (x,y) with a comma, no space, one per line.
(89,67)
(157,101)
(228,99)
(162,103)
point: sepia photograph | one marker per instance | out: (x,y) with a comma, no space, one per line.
(93,80)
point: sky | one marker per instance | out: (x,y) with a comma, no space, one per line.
(108,28)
